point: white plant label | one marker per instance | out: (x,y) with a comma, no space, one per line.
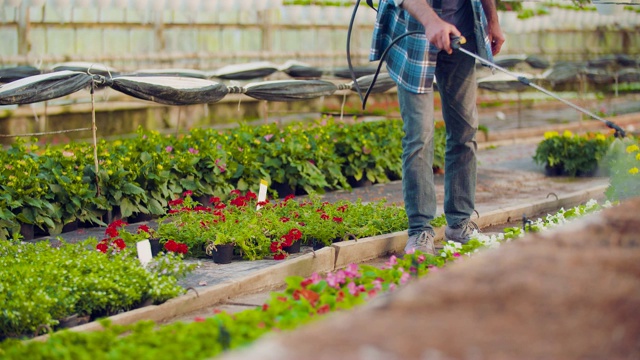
(144,251)
(262,193)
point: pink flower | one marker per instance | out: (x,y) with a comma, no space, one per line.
(352,271)
(315,278)
(353,289)
(393,260)
(268,137)
(168,149)
(332,280)
(404,278)
(193,151)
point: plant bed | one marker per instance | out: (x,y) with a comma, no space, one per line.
(303,300)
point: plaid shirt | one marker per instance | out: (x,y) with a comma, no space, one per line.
(409,62)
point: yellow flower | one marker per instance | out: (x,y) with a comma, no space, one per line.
(634,170)
(632,148)
(567,133)
(638,156)
(160,167)
(550,134)
(600,137)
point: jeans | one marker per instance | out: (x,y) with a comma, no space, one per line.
(456,82)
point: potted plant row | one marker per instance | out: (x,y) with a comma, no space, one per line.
(51,187)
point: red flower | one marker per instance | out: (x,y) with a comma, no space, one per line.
(284,219)
(201,208)
(235,192)
(174,211)
(187,193)
(182,249)
(337,219)
(287,240)
(281,256)
(111,232)
(342,208)
(199,319)
(118,223)
(306,282)
(275,246)
(119,243)
(220,206)
(240,201)
(214,200)
(170,246)
(324,216)
(295,234)
(265,307)
(173,246)
(288,197)
(175,202)
(310,295)
(324,309)
(102,246)
(143,228)
(263,203)
(251,195)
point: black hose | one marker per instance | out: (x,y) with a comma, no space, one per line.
(364,98)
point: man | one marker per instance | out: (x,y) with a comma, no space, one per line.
(413,63)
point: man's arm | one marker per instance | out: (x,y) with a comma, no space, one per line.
(495,32)
(438,31)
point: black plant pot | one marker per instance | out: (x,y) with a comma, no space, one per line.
(141,217)
(293,249)
(69,227)
(156,247)
(556,170)
(317,244)
(222,254)
(283,190)
(363,182)
(27,231)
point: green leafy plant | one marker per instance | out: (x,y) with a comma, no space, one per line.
(572,155)
(622,162)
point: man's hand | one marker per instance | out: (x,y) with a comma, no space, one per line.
(438,31)
(495,32)
(439,34)
(497,38)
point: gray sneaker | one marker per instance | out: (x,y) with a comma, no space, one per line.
(462,234)
(422,242)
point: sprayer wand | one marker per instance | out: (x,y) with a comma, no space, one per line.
(456,41)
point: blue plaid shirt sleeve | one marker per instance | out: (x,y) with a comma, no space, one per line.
(411,62)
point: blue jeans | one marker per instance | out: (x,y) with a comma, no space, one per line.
(456,82)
